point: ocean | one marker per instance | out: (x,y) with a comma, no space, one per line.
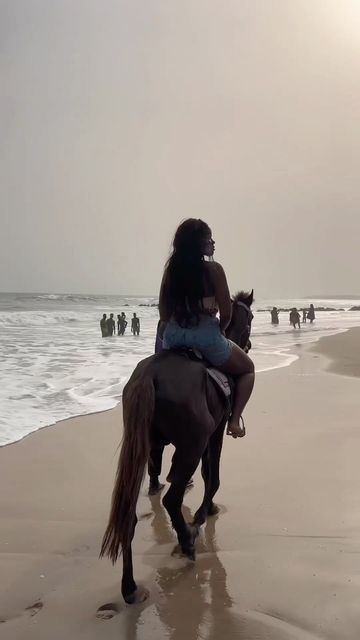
(55,364)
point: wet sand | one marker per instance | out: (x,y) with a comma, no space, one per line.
(278,563)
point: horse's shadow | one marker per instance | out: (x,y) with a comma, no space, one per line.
(193,600)
(191,596)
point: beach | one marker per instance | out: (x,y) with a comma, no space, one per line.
(342,352)
(277,563)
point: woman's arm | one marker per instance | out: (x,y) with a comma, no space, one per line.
(222,293)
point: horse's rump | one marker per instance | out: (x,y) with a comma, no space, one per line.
(181,396)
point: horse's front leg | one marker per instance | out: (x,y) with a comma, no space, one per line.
(132,593)
(180,474)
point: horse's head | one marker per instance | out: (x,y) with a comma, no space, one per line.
(240,326)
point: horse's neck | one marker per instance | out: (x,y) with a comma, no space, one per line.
(239,332)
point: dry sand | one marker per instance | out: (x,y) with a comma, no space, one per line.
(342,352)
(279,562)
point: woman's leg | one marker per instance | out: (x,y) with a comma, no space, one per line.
(242,368)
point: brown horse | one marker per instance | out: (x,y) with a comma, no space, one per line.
(170,399)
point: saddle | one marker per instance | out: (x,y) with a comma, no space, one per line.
(224,382)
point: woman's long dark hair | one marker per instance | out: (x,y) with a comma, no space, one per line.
(184,272)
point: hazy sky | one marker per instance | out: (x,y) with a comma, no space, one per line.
(120,118)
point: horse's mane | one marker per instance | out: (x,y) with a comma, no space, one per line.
(242,296)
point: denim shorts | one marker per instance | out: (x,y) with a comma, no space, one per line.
(206,337)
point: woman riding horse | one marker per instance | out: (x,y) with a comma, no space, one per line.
(192,292)
(170,398)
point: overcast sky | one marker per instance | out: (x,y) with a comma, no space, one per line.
(120,118)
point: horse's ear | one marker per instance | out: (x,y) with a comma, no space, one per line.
(251,298)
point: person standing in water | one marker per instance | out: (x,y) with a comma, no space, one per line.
(110,323)
(103,326)
(304,312)
(311,314)
(135,325)
(123,323)
(119,324)
(274,315)
(294,318)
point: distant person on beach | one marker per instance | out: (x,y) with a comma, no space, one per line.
(311,314)
(274,315)
(103,326)
(135,325)
(294,318)
(110,323)
(304,312)
(118,324)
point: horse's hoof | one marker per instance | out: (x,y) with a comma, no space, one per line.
(139,595)
(194,531)
(189,548)
(213,509)
(190,553)
(155,488)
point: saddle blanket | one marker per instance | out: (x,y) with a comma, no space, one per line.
(221,380)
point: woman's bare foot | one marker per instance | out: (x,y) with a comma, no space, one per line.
(236,430)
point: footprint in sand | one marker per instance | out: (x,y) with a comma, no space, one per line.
(107,611)
(32,610)
(35,608)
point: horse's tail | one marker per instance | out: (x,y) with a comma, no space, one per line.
(138,410)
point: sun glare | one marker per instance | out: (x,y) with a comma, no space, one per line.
(345,18)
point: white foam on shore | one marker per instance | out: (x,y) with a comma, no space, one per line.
(55,365)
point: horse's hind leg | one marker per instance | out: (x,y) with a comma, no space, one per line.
(183,466)
(132,593)
(154,467)
(210,471)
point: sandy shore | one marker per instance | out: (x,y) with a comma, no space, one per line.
(278,563)
(342,352)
